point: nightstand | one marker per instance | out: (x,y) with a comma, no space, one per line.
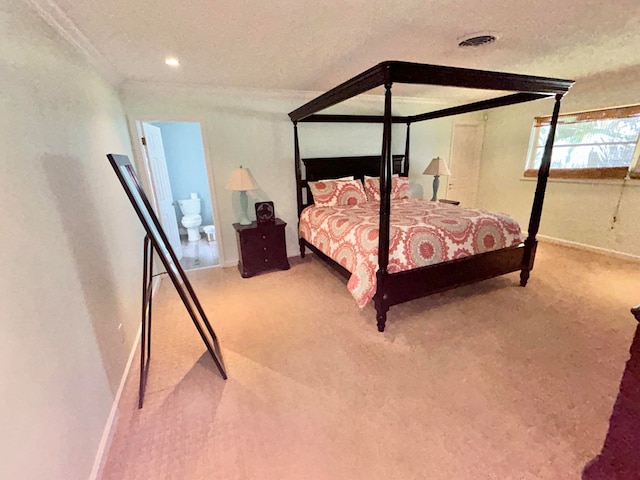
(261,247)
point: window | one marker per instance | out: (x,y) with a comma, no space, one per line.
(594,144)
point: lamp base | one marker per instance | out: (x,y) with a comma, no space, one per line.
(244,203)
(436,184)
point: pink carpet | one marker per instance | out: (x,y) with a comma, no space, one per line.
(488,381)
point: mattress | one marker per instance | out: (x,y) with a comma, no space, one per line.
(422,233)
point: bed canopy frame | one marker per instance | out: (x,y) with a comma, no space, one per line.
(394,288)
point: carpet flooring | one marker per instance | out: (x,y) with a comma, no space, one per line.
(487,381)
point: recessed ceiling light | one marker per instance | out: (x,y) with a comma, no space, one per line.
(172,61)
(478,39)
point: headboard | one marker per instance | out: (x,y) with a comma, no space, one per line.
(336,167)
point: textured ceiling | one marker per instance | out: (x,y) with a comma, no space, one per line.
(312,46)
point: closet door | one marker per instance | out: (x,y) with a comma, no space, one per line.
(466,151)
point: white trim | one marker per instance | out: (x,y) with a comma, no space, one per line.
(112,420)
(135,130)
(213,196)
(591,248)
(230,263)
(56,18)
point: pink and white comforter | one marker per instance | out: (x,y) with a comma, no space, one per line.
(422,233)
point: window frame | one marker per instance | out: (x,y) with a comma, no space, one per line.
(589,173)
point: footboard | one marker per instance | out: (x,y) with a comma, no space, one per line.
(395,288)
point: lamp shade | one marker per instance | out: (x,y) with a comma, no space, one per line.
(437,167)
(241,180)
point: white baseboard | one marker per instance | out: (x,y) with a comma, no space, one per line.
(112,420)
(590,248)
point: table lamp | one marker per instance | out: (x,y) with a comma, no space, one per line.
(436,168)
(241,181)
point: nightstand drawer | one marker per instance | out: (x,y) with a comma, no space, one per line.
(261,240)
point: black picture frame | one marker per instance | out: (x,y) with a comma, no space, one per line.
(157,240)
(261,221)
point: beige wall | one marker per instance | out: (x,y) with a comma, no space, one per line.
(252,129)
(580,212)
(69,250)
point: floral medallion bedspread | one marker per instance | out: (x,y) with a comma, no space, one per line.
(422,233)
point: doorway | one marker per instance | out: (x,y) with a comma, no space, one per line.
(180,186)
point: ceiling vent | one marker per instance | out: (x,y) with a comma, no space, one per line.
(478,40)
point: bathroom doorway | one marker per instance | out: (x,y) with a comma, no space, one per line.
(180,184)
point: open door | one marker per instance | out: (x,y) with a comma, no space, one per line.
(156,164)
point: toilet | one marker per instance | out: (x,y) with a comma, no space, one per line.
(191,219)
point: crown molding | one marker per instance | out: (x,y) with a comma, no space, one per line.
(213,89)
(302,95)
(55,17)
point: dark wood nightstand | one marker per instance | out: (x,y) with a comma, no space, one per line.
(261,247)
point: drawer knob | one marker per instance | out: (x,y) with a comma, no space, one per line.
(266,260)
(264,248)
(264,237)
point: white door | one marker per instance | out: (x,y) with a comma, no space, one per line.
(466,150)
(159,175)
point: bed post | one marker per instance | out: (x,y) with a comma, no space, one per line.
(296,149)
(530,244)
(405,170)
(380,298)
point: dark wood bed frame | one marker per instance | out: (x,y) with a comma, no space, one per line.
(395,288)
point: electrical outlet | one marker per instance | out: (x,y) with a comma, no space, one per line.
(121,332)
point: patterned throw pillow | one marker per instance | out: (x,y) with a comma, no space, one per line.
(329,193)
(399,188)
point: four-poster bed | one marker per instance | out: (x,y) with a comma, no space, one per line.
(396,287)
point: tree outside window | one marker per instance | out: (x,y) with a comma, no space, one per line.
(594,144)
